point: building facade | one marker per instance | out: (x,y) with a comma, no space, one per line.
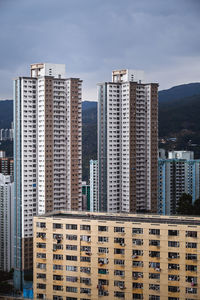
(85,196)
(47,152)
(7,166)
(94,206)
(116,256)
(6,223)
(127,143)
(178,174)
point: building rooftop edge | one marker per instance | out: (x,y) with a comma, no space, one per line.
(126,217)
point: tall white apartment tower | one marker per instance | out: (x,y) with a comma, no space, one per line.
(127,143)
(6,222)
(47,151)
(94,206)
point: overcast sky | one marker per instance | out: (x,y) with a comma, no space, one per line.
(93,37)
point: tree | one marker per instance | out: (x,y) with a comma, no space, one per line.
(196,207)
(184,205)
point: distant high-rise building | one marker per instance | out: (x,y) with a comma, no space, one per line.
(127,143)
(85,196)
(6,223)
(7,166)
(94,206)
(178,174)
(47,152)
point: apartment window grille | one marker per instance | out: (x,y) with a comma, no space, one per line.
(85,227)
(173,232)
(57,226)
(71,226)
(102,228)
(154,231)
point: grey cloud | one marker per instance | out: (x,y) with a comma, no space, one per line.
(94,36)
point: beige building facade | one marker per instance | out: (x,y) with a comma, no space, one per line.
(116,256)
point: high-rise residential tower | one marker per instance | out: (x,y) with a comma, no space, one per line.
(6,222)
(127,143)
(47,151)
(177,174)
(94,185)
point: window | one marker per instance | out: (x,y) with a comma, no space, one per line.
(154,287)
(85,280)
(71,226)
(103,250)
(173,232)
(119,241)
(86,270)
(119,294)
(137,230)
(191,234)
(57,226)
(173,289)
(72,268)
(172,255)
(119,251)
(71,289)
(154,254)
(103,239)
(102,228)
(137,296)
(57,297)
(103,261)
(41,266)
(71,237)
(41,286)
(173,244)
(72,278)
(154,243)
(119,262)
(173,278)
(58,277)
(137,253)
(85,291)
(41,224)
(154,265)
(85,227)
(173,267)
(41,255)
(138,242)
(191,268)
(85,258)
(154,297)
(154,231)
(137,285)
(190,256)
(154,276)
(191,245)
(71,247)
(41,245)
(57,287)
(57,247)
(119,229)
(86,238)
(71,257)
(103,271)
(58,256)
(57,267)
(41,275)
(191,290)
(137,263)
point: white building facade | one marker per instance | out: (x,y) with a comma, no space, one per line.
(127,143)
(94,205)
(47,151)
(6,223)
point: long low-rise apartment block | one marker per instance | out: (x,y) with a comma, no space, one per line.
(80,256)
